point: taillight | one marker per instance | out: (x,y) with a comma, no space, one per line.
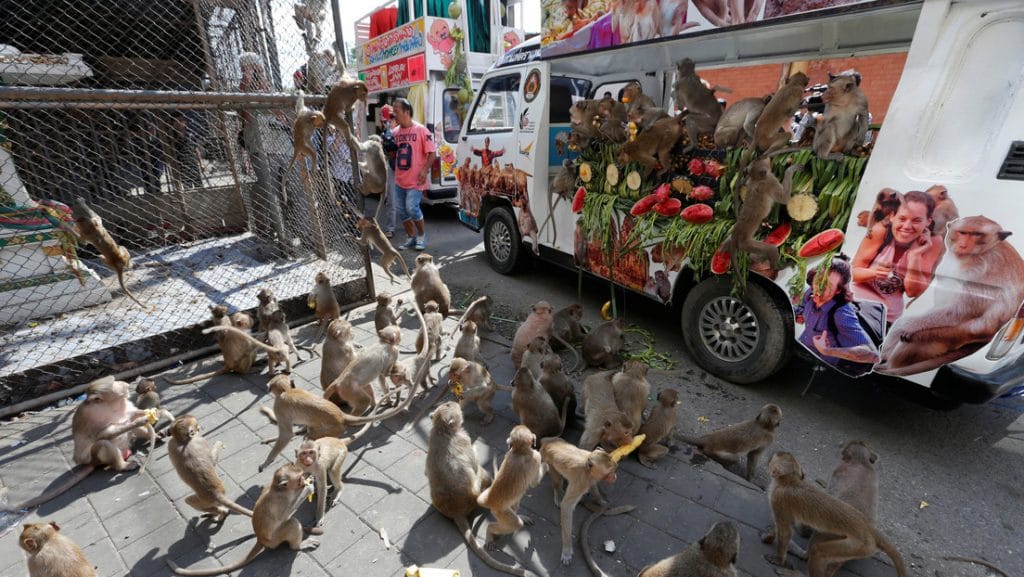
(435,170)
(1007,336)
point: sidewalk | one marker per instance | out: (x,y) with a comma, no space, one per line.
(128,524)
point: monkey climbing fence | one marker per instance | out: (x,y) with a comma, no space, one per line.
(172,121)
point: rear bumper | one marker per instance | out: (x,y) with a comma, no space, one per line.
(441,196)
(969,387)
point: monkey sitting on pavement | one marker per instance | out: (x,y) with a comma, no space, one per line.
(658,427)
(146,395)
(427,285)
(713,556)
(468,345)
(538,323)
(750,437)
(322,459)
(473,383)
(558,385)
(354,385)
(384,315)
(338,351)
(51,554)
(322,299)
(605,423)
(194,460)
(520,470)
(601,346)
(534,407)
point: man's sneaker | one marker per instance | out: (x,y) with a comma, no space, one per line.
(421,244)
(411,243)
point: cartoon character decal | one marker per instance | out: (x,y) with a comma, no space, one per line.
(440,39)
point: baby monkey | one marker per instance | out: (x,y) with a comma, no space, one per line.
(51,554)
(373,236)
(713,556)
(323,459)
(306,121)
(520,470)
(194,460)
(90,229)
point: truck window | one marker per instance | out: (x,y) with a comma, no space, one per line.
(450,116)
(613,88)
(495,110)
(565,92)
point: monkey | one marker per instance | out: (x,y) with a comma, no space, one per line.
(557,384)
(479,311)
(945,209)
(194,460)
(658,426)
(414,371)
(353,385)
(468,345)
(763,190)
(272,520)
(89,229)
(306,122)
(534,407)
(631,389)
(887,202)
(584,119)
(659,284)
(238,348)
(51,554)
(340,100)
(322,459)
(146,395)
(842,127)
(653,147)
(268,304)
(738,122)
(566,325)
(242,321)
(527,224)
(633,96)
(373,165)
(337,352)
(768,133)
(279,337)
(601,346)
(220,317)
(373,236)
(427,285)
(384,315)
(855,482)
(582,469)
(605,424)
(520,470)
(322,299)
(612,115)
(644,117)
(456,478)
(981,291)
(702,106)
(564,184)
(751,437)
(538,323)
(794,500)
(533,356)
(104,427)
(434,330)
(473,383)
(713,556)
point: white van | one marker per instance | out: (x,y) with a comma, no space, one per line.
(936,286)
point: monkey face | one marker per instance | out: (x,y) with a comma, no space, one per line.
(617,431)
(383,299)
(601,466)
(144,386)
(306,456)
(542,308)
(218,311)
(184,428)
(264,296)
(888,197)
(321,278)
(576,312)
(430,306)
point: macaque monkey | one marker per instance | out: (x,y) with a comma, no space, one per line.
(434,330)
(631,389)
(242,321)
(582,469)
(414,372)
(633,96)
(220,317)
(700,102)
(538,323)
(713,556)
(89,229)
(842,127)
(322,459)
(584,118)
(51,554)
(887,202)
(738,122)
(945,209)
(306,122)
(981,290)
(479,311)
(279,337)
(146,395)
(272,520)
(601,346)
(850,533)
(238,348)
(558,386)
(456,478)
(527,224)
(534,407)
(373,236)
(653,147)
(322,299)
(385,315)
(373,165)
(565,326)
(658,427)
(644,117)
(468,345)
(268,304)
(606,424)
(768,133)
(427,285)
(749,437)
(520,470)
(564,183)
(476,385)
(533,356)
(354,384)
(338,351)
(194,460)
(763,191)
(340,100)
(613,120)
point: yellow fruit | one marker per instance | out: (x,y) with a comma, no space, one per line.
(612,174)
(682,185)
(585,172)
(633,180)
(606,311)
(802,207)
(624,450)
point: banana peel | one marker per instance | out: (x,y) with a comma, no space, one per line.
(624,450)
(606,311)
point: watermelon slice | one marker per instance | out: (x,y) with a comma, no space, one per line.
(721,262)
(779,235)
(698,214)
(668,207)
(822,243)
(644,205)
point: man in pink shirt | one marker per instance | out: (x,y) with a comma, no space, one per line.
(413,161)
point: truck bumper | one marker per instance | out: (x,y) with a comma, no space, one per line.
(969,387)
(441,196)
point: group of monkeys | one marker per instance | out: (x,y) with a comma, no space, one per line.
(614,400)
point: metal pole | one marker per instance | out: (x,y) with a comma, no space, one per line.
(339,37)
(248,99)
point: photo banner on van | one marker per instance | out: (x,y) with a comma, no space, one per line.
(571,26)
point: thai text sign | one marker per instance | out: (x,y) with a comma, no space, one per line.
(397,74)
(393,44)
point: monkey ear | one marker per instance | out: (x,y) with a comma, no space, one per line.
(1003,234)
(30,545)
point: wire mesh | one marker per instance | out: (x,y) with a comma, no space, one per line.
(171,120)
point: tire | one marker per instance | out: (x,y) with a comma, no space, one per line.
(502,242)
(741,340)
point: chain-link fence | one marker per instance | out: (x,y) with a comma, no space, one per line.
(171,120)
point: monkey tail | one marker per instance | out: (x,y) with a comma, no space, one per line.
(256,550)
(80,473)
(198,378)
(128,293)
(897,560)
(565,414)
(463,524)
(575,353)
(269,413)
(254,342)
(223,500)
(981,562)
(585,536)
(695,441)
(362,431)
(464,313)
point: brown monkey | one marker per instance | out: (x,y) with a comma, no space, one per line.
(533,356)
(713,556)
(534,407)
(750,437)
(634,97)
(478,311)
(566,323)
(146,395)
(605,424)
(322,459)
(473,383)
(520,470)
(373,165)
(564,183)
(51,554)
(306,122)
(763,190)
(427,285)
(738,122)
(456,478)
(887,202)
(272,520)
(238,348)
(538,323)
(585,120)
(338,351)
(768,133)
(653,147)
(194,460)
(340,100)
(601,346)
(279,337)
(414,372)
(658,427)
(385,315)
(220,317)
(794,500)
(644,117)
(582,469)
(322,299)
(354,384)
(981,291)
(700,102)
(268,304)
(468,345)
(373,236)
(434,330)
(89,228)
(842,127)
(558,386)
(242,321)
(945,209)
(527,224)
(631,389)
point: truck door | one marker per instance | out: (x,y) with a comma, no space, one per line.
(446,131)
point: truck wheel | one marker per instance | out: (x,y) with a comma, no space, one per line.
(502,242)
(740,340)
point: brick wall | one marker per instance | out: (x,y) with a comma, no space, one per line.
(880,75)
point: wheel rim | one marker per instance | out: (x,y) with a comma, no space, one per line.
(729,329)
(500,241)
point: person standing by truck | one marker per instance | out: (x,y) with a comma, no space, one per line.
(413,160)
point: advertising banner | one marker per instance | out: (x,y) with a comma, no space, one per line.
(395,44)
(396,74)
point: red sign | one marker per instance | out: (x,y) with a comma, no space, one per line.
(400,73)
